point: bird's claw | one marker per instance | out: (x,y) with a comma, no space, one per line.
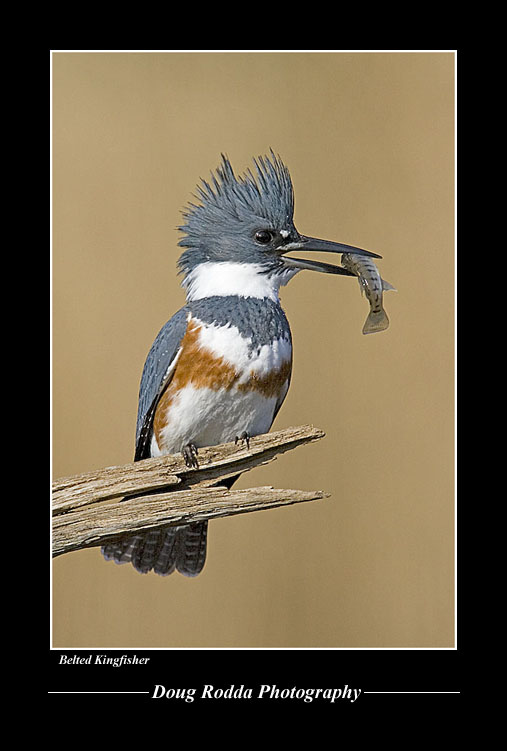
(244,438)
(190,452)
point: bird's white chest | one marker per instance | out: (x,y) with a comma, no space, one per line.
(222,386)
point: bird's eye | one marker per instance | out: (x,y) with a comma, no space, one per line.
(264,236)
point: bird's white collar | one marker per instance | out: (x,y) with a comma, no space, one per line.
(243,279)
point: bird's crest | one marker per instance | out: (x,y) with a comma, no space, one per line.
(229,204)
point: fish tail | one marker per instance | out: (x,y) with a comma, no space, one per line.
(376,321)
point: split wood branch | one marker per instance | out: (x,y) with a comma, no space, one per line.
(100,524)
(82,519)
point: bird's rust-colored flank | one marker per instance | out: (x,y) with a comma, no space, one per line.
(199,367)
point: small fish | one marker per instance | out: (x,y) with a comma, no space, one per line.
(373,286)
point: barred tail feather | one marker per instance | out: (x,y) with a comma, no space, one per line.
(122,551)
(192,548)
(163,550)
(165,562)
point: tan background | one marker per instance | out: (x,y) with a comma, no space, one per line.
(369,140)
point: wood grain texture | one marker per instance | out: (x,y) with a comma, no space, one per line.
(102,523)
(215,462)
(85,515)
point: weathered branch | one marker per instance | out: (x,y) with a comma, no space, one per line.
(99,524)
(80,519)
(215,463)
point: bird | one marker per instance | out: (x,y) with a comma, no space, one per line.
(220,368)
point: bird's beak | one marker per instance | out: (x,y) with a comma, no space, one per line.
(326,246)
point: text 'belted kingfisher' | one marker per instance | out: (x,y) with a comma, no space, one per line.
(220,369)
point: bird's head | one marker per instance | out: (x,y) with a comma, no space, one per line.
(237,236)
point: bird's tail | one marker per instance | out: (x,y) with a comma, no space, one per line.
(163,550)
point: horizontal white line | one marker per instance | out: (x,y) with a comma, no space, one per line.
(147,692)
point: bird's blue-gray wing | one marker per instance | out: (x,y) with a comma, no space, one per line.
(166,548)
(156,375)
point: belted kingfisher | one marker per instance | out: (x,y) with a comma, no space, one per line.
(220,368)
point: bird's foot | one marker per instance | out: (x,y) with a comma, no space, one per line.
(190,452)
(244,438)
